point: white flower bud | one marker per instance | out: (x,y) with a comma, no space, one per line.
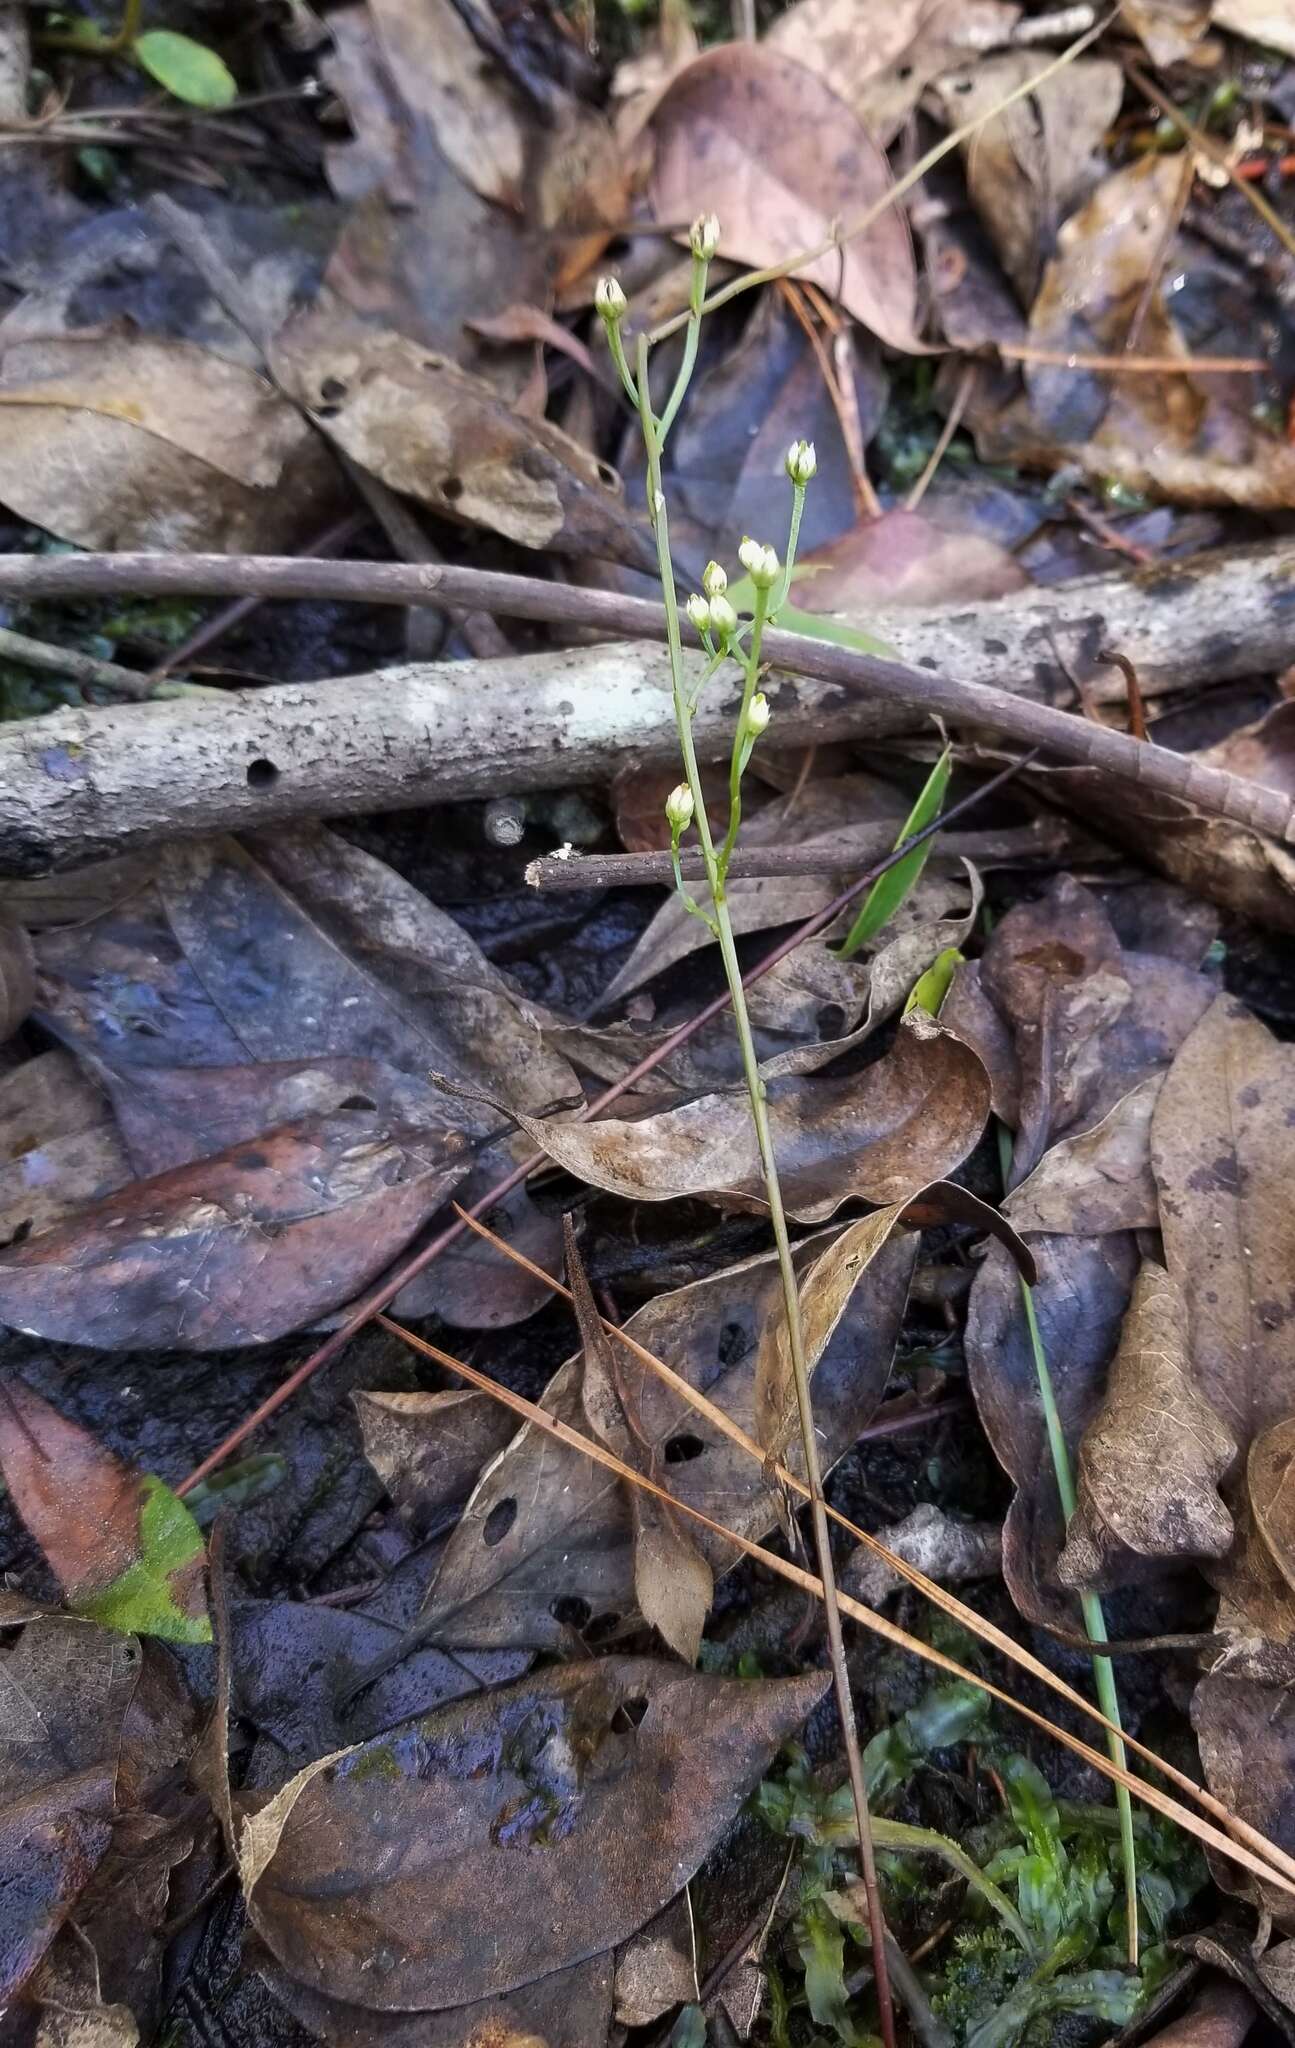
(758,714)
(723,618)
(698,613)
(801,462)
(760,563)
(703,236)
(714,581)
(679,808)
(610,302)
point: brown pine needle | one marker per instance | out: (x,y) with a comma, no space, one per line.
(938,1595)
(1150,1795)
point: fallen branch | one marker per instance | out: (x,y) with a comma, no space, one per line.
(79,784)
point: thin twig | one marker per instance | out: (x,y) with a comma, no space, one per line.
(210,631)
(1207,147)
(86,669)
(1131,366)
(966,384)
(920,692)
(844,404)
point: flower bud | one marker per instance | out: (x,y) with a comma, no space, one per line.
(723,618)
(714,581)
(801,462)
(703,237)
(610,302)
(760,563)
(679,808)
(698,613)
(757,714)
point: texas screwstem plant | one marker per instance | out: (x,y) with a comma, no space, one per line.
(726,638)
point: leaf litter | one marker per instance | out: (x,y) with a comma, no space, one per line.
(241,1082)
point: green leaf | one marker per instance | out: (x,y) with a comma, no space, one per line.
(930,989)
(821,1941)
(814,625)
(893,888)
(142,1601)
(189,70)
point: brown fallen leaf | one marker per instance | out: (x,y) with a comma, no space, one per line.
(445,438)
(1246,1733)
(427,1449)
(567,2009)
(749,134)
(475,115)
(942,1546)
(545,1544)
(673,1583)
(902,558)
(909,1119)
(1185,440)
(1032,165)
(1099,1180)
(59,1147)
(1169,29)
(1267,22)
(234,1249)
(881,62)
(127,441)
(17,977)
(1153,1460)
(1220,2016)
(562,1812)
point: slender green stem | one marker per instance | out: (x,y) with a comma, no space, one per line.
(741,740)
(652,437)
(1090,1605)
(616,344)
(691,339)
(797,513)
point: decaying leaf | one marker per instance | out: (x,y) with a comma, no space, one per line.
(782,162)
(444,437)
(946,1548)
(1153,1459)
(902,558)
(880,62)
(1169,29)
(59,1147)
(432,55)
(237,1248)
(129,441)
(125,1551)
(427,1449)
(1099,1180)
(1246,1732)
(561,1813)
(1267,22)
(546,1541)
(567,2009)
(1190,441)
(909,1119)
(1031,165)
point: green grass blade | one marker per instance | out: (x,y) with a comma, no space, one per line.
(893,888)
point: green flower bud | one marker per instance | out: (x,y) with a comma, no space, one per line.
(758,714)
(723,618)
(679,809)
(801,462)
(698,613)
(714,581)
(760,563)
(703,237)
(610,302)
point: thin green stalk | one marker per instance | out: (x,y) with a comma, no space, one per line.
(793,538)
(653,439)
(1090,1605)
(741,738)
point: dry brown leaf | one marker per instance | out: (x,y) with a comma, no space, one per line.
(1169,29)
(561,1812)
(546,1542)
(444,81)
(1031,165)
(567,2009)
(1153,1459)
(1246,1732)
(1189,441)
(673,1583)
(1099,1180)
(909,1119)
(902,558)
(1220,2016)
(754,137)
(427,1449)
(127,441)
(59,1147)
(946,1549)
(446,438)
(825,1296)
(881,60)
(1268,22)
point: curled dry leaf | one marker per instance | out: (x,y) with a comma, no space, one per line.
(1153,1459)
(235,1249)
(1189,441)
(880,62)
(445,438)
(910,1118)
(1031,165)
(781,160)
(546,1542)
(1099,1180)
(17,977)
(427,1449)
(123,1548)
(127,441)
(561,1812)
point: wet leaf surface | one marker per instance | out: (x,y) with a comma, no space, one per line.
(551,1775)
